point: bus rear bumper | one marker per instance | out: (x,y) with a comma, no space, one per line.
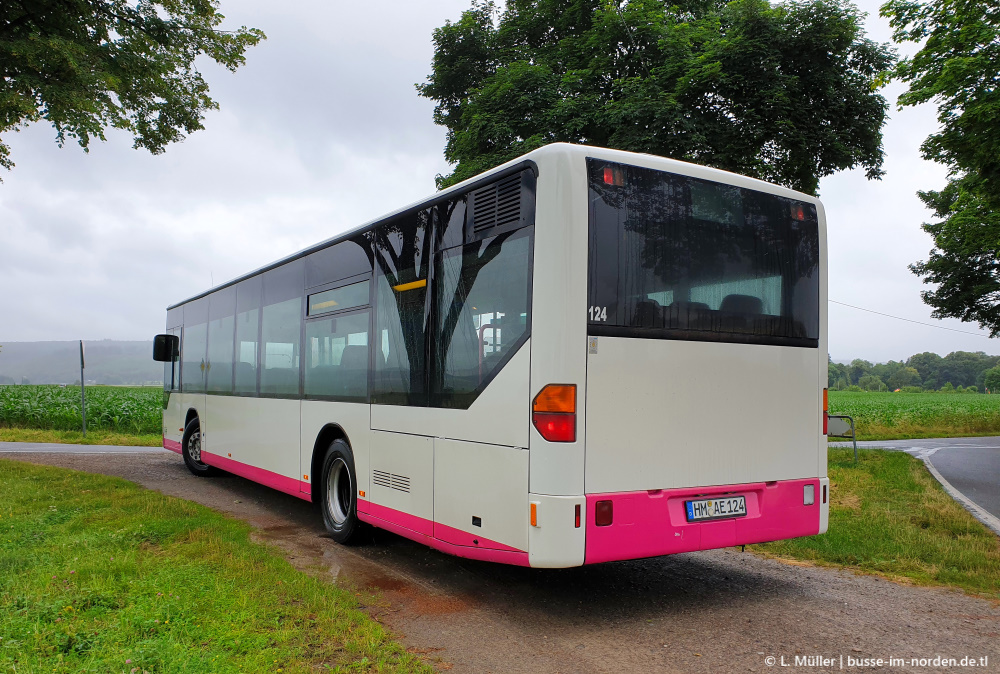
(653,523)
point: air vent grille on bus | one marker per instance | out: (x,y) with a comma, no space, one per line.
(498,204)
(391,480)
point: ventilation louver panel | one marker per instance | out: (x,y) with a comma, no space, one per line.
(498,204)
(391,480)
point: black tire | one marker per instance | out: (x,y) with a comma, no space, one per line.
(191,451)
(338,492)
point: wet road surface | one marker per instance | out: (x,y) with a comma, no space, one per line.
(702,612)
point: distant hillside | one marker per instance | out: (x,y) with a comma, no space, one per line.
(108,362)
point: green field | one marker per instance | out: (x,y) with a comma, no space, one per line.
(136,411)
(131,410)
(887,416)
(100,575)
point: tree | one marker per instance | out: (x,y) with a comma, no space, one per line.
(991,380)
(870,382)
(927,365)
(785,93)
(906,376)
(858,369)
(89,65)
(958,67)
(964,264)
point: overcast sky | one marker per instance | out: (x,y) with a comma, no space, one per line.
(323,130)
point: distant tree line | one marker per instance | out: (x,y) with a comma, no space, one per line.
(959,372)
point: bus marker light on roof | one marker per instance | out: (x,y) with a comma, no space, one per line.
(604,513)
(553,412)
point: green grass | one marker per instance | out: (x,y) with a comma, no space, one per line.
(133,410)
(94,437)
(100,575)
(890,517)
(889,416)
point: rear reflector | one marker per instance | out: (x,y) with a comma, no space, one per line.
(577,515)
(604,513)
(554,412)
(808,494)
(534,513)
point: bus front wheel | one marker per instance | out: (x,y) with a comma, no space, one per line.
(191,450)
(337,492)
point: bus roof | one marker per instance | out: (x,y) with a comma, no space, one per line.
(524,161)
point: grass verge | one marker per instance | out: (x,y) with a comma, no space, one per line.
(100,575)
(95,437)
(890,517)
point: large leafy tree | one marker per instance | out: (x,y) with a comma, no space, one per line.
(89,65)
(958,67)
(785,92)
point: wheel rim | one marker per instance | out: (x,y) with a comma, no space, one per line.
(194,447)
(339,492)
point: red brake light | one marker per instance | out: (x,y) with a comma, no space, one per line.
(555,427)
(604,513)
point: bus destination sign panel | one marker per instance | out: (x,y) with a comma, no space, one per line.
(716,508)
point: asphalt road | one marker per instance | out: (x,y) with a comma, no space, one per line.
(970,465)
(716,611)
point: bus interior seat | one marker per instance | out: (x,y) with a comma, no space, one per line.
(246,375)
(647,314)
(280,380)
(742,304)
(683,314)
(353,371)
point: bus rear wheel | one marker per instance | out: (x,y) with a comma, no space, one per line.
(191,451)
(337,488)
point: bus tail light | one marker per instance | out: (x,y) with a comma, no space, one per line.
(604,513)
(826,410)
(553,412)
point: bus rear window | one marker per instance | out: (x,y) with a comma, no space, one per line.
(674,257)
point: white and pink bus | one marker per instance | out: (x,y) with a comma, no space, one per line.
(580,356)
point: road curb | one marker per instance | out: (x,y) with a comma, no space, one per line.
(992,523)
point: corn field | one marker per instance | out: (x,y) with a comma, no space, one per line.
(133,410)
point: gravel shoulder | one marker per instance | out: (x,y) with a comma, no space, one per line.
(713,611)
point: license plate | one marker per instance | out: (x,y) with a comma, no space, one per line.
(716,508)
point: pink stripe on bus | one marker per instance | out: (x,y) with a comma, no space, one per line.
(172,445)
(653,523)
(418,529)
(283,483)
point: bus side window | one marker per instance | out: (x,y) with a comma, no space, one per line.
(280,321)
(221,310)
(337,357)
(245,346)
(482,301)
(194,346)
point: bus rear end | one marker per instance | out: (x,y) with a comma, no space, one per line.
(706,363)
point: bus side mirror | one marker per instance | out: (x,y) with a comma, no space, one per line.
(166,348)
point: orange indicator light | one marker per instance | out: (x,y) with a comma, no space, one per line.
(534,514)
(361,493)
(556,398)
